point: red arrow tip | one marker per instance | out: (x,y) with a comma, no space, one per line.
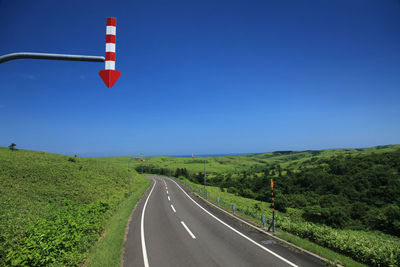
(109,77)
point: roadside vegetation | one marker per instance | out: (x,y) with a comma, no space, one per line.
(54,208)
(344,199)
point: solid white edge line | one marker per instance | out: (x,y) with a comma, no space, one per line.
(187,229)
(236,231)
(145,259)
(172,207)
(169,199)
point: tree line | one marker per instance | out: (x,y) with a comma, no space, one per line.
(347,191)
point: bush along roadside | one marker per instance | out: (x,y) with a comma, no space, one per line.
(62,239)
(370,247)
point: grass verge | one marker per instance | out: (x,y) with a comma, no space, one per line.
(107,251)
(321,251)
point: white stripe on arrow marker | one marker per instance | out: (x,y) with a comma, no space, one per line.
(110,47)
(111,30)
(110,65)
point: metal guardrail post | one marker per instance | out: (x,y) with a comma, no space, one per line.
(263,220)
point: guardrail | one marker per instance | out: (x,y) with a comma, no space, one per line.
(259,218)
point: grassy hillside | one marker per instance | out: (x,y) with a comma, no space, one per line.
(225,164)
(54,207)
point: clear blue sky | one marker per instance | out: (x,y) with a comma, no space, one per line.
(202,76)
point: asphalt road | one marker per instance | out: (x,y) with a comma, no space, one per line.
(172,227)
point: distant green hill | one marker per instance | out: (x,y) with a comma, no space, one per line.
(53,207)
(224,164)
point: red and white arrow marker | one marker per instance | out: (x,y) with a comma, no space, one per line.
(110,75)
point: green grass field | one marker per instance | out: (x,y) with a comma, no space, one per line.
(54,208)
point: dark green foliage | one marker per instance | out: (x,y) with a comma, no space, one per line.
(12,146)
(149,168)
(232,190)
(72,159)
(314,152)
(198,177)
(347,191)
(181,172)
(282,152)
(333,216)
(246,192)
(281,204)
(386,219)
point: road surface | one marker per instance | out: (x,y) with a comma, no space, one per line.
(172,227)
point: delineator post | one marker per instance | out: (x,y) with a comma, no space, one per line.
(273,207)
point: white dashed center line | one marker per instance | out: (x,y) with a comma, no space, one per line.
(169,199)
(187,229)
(172,207)
(233,229)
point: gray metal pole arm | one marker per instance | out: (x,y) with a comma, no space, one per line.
(30,55)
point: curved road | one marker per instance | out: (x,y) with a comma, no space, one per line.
(171,227)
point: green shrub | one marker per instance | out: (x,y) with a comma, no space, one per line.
(233,190)
(72,159)
(334,216)
(281,203)
(62,239)
(372,248)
